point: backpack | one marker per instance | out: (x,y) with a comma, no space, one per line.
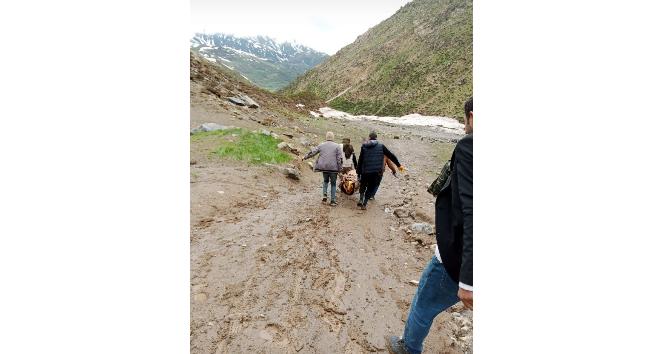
(442,180)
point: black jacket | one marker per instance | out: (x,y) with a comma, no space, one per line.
(454,215)
(372,157)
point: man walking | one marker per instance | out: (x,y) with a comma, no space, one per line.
(370,167)
(448,277)
(329,162)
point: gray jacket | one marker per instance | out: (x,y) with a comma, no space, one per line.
(330,158)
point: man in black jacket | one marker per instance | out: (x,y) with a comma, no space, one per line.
(370,167)
(448,277)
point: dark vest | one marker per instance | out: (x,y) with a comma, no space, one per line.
(373,158)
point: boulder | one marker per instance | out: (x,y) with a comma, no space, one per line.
(243,100)
(238,101)
(289,172)
(422,227)
(248,101)
(288,147)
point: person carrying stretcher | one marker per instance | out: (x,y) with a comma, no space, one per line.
(349,182)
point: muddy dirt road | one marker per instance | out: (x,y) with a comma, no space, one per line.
(274,270)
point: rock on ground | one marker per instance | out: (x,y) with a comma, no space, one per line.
(209,127)
(249,101)
(243,100)
(305,142)
(289,172)
(422,227)
(236,100)
(288,147)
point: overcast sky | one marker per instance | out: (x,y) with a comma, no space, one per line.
(326,26)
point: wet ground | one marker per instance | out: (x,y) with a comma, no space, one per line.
(274,270)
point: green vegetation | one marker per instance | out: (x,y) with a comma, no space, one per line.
(371,107)
(264,74)
(240,144)
(420,60)
(306,98)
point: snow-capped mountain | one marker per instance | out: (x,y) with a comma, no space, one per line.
(261,60)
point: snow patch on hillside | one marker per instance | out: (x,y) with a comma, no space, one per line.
(447,124)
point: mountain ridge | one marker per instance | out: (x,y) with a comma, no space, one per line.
(418,60)
(260,59)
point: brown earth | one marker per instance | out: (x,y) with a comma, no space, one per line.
(274,270)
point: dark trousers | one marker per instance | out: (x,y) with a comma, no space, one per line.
(369,186)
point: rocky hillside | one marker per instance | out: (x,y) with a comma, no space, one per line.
(215,87)
(261,60)
(419,60)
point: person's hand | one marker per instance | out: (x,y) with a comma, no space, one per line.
(466,297)
(402,169)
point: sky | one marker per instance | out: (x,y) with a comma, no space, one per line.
(326,26)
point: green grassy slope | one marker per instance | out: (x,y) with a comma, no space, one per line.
(418,60)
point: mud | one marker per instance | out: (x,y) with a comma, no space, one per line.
(274,270)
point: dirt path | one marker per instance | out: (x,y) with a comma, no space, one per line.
(273,270)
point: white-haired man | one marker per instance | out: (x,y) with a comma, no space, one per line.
(329,163)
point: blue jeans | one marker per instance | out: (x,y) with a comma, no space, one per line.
(435,293)
(330,177)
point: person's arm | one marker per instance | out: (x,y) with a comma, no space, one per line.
(311,153)
(390,165)
(354,161)
(359,162)
(391,156)
(464,169)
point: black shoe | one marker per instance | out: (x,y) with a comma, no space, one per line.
(363,206)
(359,203)
(333,203)
(324,198)
(395,345)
